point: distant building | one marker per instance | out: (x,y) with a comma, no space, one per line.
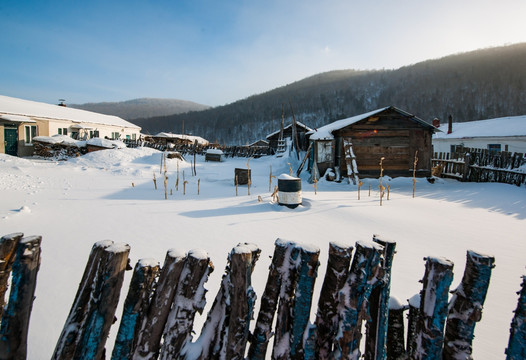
(389,132)
(302,130)
(22,120)
(167,138)
(495,135)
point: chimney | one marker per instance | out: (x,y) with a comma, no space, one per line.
(449,124)
(61,102)
(436,122)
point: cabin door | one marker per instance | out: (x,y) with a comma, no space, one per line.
(11,141)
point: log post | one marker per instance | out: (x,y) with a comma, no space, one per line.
(433,309)
(465,173)
(135,308)
(269,302)
(362,277)
(149,337)
(376,328)
(517,343)
(15,319)
(327,315)
(189,299)
(465,309)
(85,334)
(395,330)
(289,277)
(412,320)
(307,272)
(8,245)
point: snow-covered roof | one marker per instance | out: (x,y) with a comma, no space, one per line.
(10,106)
(298,123)
(325,132)
(499,127)
(190,138)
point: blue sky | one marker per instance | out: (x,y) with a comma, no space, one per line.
(217,52)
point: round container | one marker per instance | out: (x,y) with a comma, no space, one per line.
(289,191)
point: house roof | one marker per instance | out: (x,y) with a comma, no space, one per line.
(498,127)
(325,132)
(298,123)
(168,135)
(10,107)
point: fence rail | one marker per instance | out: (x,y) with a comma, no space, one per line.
(162,302)
(478,165)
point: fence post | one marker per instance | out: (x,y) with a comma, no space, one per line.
(135,308)
(327,314)
(516,349)
(15,319)
(362,276)
(433,309)
(465,309)
(467,162)
(8,245)
(149,337)
(395,330)
(412,320)
(189,299)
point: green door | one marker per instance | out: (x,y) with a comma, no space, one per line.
(11,141)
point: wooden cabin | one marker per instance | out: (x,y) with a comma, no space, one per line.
(303,138)
(389,132)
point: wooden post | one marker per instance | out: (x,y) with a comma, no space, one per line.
(184,187)
(307,271)
(467,162)
(269,301)
(135,308)
(189,299)
(375,346)
(465,309)
(86,330)
(327,314)
(395,330)
(360,183)
(516,349)
(414,172)
(270,177)
(8,245)
(412,320)
(15,319)
(362,276)
(154,181)
(149,337)
(382,188)
(433,309)
(198,185)
(236,184)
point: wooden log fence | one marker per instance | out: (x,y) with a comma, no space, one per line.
(159,310)
(478,165)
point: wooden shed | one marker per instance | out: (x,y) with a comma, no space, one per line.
(303,138)
(389,132)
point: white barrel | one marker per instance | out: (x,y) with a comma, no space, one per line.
(289,191)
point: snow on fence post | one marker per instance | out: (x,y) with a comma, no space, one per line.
(395,330)
(307,272)
(376,328)
(135,308)
(269,302)
(412,320)
(92,314)
(433,309)
(149,337)
(465,309)
(326,324)
(517,343)
(8,245)
(289,277)
(189,299)
(362,276)
(15,319)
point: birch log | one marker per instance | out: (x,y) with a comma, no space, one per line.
(15,319)
(465,309)
(149,338)
(135,308)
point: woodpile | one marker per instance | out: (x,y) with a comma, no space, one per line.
(59,151)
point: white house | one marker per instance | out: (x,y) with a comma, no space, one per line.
(501,134)
(21,120)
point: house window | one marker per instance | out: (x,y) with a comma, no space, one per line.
(493,148)
(94,134)
(128,137)
(115,135)
(455,148)
(134,136)
(30,132)
(62,131)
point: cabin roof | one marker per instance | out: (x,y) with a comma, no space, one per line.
(191,138)
(298,123)
(498,127)
(325,132)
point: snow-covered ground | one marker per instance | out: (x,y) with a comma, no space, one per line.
(75,203)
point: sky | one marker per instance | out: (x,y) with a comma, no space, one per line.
(218,52)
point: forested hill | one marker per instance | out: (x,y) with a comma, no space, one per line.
(477,85)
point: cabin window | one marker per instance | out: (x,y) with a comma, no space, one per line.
(134,136)
(455,148)
(324,151)
(493,148)
(115,135)
(62,131)
(30,132)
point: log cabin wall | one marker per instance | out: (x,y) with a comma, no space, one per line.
(393,136)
